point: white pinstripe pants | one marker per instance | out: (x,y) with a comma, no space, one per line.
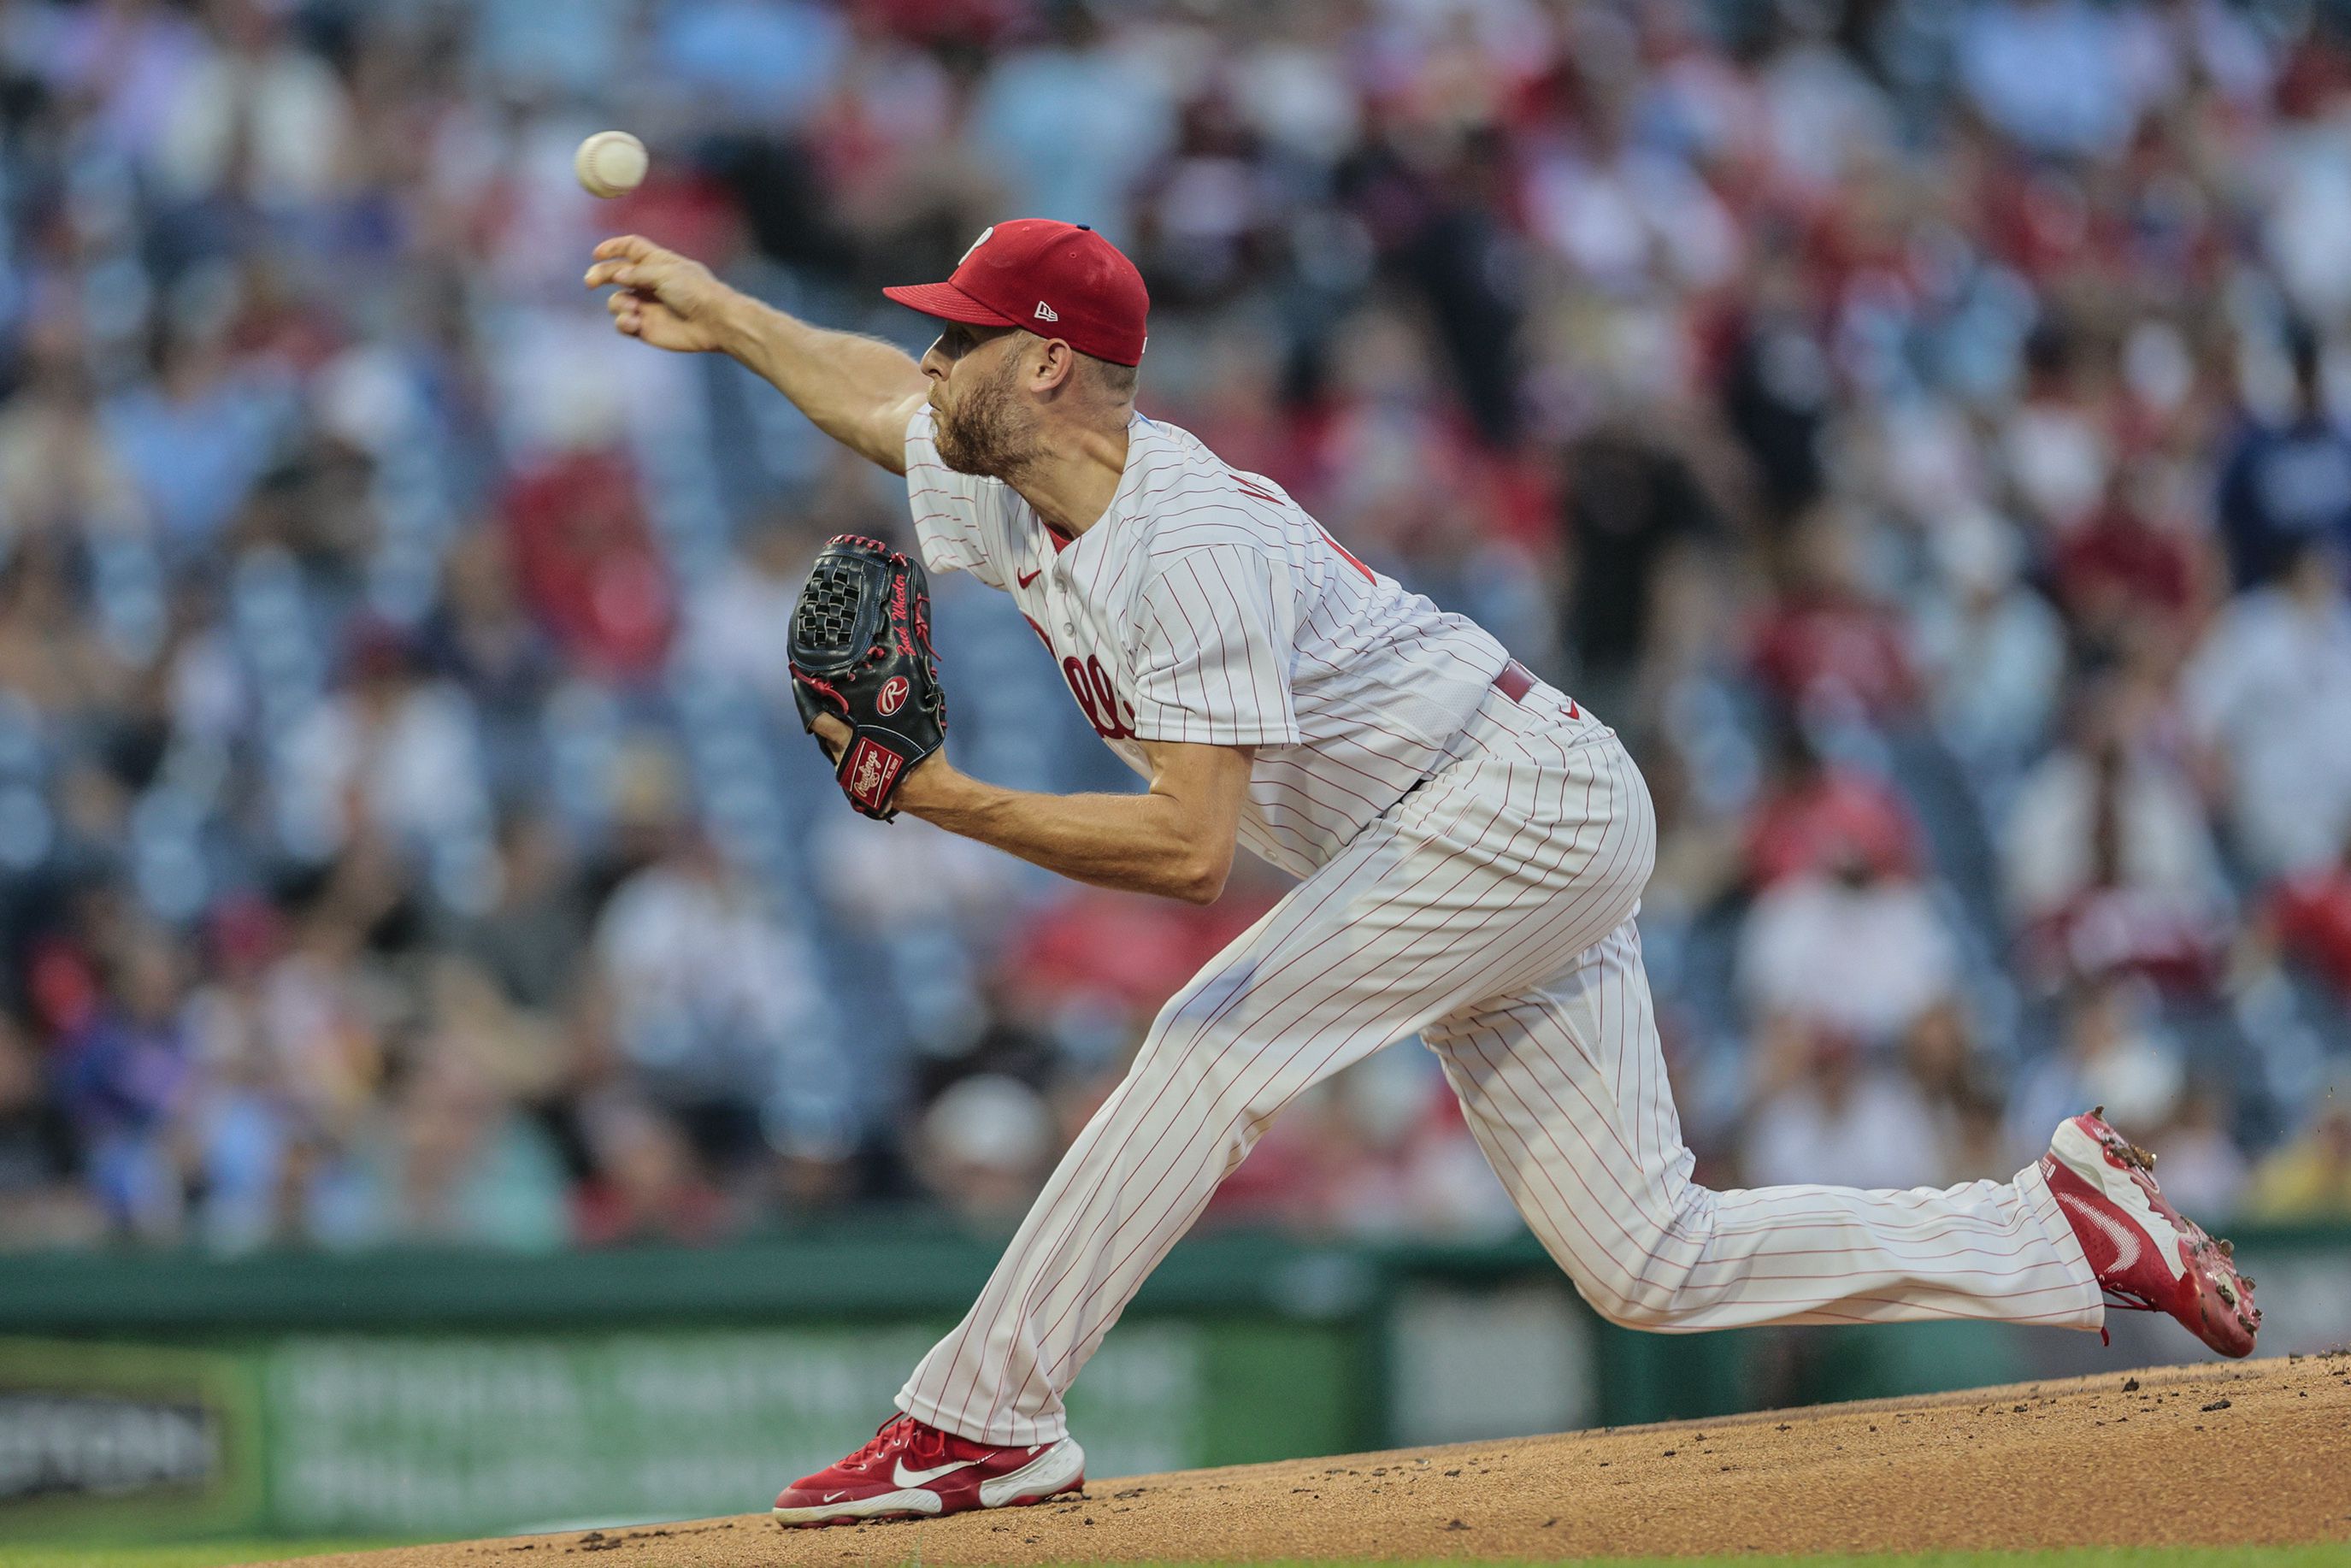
(1491,912)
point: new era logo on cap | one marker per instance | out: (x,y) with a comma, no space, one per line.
(1099,304)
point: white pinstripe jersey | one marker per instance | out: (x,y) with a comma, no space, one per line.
(1206,606)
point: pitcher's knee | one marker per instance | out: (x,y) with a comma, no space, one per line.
(1636,1309)
(1638,1277)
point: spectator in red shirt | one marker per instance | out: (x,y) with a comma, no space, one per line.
(2305,918)
(1828,642)
(588,562)
(2129,571)
(648,1186)
(1123,948)
(1815,816)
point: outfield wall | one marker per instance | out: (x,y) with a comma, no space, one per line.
(435,1393)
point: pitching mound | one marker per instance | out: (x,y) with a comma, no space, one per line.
(2258,1453)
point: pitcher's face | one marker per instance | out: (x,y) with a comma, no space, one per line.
(985,426)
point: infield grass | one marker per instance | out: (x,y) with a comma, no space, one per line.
(2338,1554)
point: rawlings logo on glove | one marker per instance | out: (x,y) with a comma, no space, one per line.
(860,651)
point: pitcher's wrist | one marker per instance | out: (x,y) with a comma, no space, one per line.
(738,326)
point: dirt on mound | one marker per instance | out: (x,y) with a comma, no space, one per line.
(2256,1453)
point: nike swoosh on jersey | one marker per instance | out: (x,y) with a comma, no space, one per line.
(901,1476)
(1027,577)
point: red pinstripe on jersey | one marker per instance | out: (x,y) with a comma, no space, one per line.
(1219,611)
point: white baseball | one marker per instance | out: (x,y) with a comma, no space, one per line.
(610,164)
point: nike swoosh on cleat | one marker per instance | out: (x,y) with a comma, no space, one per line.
(903,1476)
(2125,1240)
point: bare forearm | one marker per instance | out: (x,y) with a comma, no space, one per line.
(859,390)
(1140,843)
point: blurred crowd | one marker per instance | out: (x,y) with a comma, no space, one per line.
(1916,425)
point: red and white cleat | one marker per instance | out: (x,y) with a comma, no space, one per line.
(2147,1257)
(912,1471)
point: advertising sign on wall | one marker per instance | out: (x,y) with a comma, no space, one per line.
(90,1430)
(449,1434)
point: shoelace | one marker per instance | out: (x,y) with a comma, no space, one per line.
(886,1437)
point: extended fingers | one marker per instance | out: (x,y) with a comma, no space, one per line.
(616,261)
(628,275)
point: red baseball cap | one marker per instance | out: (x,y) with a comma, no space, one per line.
(1059,280)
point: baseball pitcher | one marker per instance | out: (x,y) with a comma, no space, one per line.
(1472,845)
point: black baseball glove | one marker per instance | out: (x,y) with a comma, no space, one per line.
(860,651)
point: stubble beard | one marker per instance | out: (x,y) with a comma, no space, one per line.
(986,433)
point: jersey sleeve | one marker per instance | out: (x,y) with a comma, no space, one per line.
(957,517)
(1213,630)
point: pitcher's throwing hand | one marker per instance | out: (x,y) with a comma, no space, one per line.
(668,301)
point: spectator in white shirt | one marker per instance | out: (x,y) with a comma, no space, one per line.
(2269,694)
(2105,855)
(714,995)
(392,753)
(1866,1125)
(1858,950)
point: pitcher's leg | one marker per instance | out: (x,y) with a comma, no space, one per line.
(1564,1086)
(1384,938)
(1520,850)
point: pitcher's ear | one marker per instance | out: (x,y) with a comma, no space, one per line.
(1055,366)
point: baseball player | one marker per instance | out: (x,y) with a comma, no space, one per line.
(1471,844)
